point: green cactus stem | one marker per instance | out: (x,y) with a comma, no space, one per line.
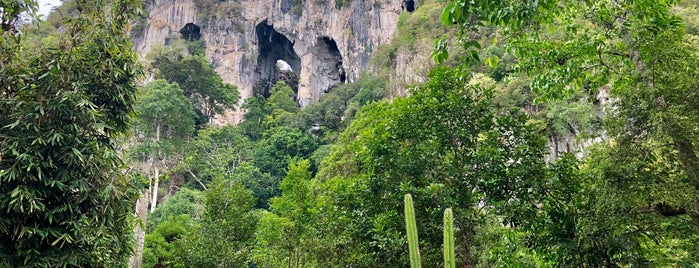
(411,228)
(449,261)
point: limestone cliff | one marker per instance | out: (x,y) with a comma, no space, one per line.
(325,42)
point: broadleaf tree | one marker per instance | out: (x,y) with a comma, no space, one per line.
(449,147)
(165,120)
(197,77)
(641,53)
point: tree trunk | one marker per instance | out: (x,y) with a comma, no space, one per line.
(140,230)
(155,189)
(296,257)
(687,156)
(684,146)
(156,178)
(690,162)
(467,237)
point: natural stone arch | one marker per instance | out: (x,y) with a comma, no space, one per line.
(273,47)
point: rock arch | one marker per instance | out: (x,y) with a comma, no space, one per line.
(273,47)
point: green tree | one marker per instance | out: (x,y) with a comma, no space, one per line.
(273,248)
(294,210)
(65,199)
(282,97)
(225,235)
(280,108)
(162,249)
(642,197)
(641,53)
(327,118)
(447,143)
(185,202)
(165,119)
(215,151)
(279,147)
(226,152)
(200,82)
(257,112)
(171,221)
(263,185)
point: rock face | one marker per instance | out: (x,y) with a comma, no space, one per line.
(572,143)
(325,42)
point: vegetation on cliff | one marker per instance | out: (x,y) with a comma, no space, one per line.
(555,133)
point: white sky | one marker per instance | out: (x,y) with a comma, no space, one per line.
(46,5)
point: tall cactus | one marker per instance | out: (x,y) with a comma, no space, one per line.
(411,228)
(449,260)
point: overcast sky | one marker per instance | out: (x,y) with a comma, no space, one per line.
(46,5)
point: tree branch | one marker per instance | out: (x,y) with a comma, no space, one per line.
(197,179)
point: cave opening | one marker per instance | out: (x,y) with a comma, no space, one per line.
(191,32)
(327,51)
(276,60)
(409,5)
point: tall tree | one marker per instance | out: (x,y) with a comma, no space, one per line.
(65,200)
(172,220)
(282,98)
(215,152)
(165,119)
(646,181)
(281,145)
(226,231)
(287,235)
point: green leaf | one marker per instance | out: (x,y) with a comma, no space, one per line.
(492,61)
(446,17)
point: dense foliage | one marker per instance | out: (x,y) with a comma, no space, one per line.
(448,146)
(554,133)
(184,63)
(64,198)
(268,157)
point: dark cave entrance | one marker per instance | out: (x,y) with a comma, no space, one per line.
(409,5)
(330,61)
(336,57)
(276,57)
(190,32)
